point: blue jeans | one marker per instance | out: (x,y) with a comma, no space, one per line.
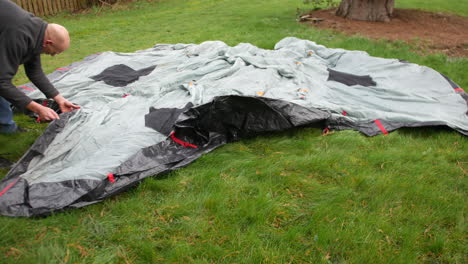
(7,125)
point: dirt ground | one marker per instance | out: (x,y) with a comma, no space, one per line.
(431,32)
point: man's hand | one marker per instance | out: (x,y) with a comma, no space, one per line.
(64,104)
(45,113)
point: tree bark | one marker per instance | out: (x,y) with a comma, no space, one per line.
(368,10)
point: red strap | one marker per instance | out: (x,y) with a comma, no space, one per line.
(111,178)
(377,122)
(62,69)
(325,131)
(344,113)
(183,143)
(125,95)
(8,187)
(459,89)
(26,88)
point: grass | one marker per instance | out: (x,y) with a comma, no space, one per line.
(291,197)
(442,6)
(455,7)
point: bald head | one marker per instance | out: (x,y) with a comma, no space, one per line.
(56,39)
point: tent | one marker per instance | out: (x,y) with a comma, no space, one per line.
(159,109)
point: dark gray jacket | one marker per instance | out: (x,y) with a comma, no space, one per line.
(21,37)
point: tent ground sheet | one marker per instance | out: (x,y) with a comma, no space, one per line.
(156,110)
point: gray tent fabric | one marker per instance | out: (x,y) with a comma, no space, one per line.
(172,103)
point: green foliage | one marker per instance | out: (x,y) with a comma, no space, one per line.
(290,197)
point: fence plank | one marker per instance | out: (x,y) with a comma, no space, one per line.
(29,6)
(59,5)
(55,6)
(33,7)
(50,3)
(47,8)
(40,7)
(37,9)
(50,7)
(24,5)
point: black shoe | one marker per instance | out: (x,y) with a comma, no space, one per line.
(21,129)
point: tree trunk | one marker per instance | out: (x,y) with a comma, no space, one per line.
(368,10)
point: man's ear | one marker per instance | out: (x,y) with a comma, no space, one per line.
(46,42)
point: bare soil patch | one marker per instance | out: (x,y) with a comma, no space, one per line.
(430,32)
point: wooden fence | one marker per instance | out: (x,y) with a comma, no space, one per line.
(50,7)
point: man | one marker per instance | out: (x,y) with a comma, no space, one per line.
(23,37)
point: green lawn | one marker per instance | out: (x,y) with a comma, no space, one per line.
(291,197)
(459,7)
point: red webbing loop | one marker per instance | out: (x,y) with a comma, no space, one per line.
(459,89)
(8,187)
(180,142)
(381,127)
(26,88)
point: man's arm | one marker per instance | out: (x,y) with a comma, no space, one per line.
(12,94)
(16,97)
(37,76)
(10,59)
(35,73)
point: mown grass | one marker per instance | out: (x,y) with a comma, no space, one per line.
(455,7)
(291,197)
